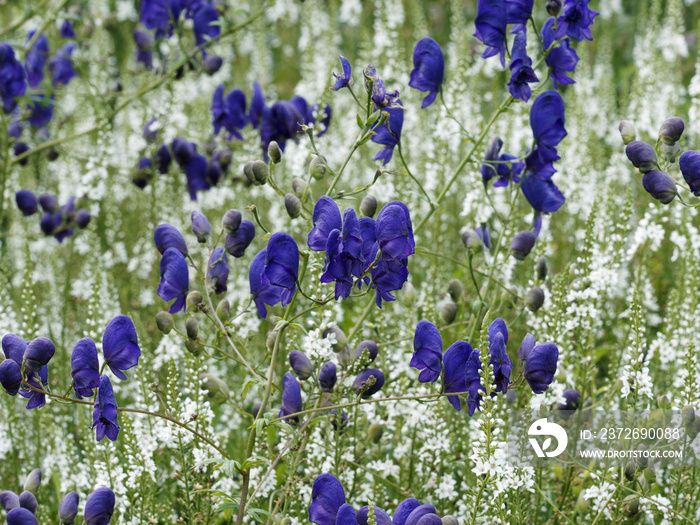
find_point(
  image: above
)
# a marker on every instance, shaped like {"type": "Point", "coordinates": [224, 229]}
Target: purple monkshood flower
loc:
{"type": "Point", "coordinates": [217, 270]}
{"type": "Point", "coordinates": [389, 135]}
{"type": "Point", "coordinates": [161, 15]}
{"type": "Point", "coordinates": [428, 69]}
{"type": "Point", "coordinates": [575, 20]}
{"type": "Point", "coordinates": [195, 172]}
{"type": "Point", "coordinates": [540, 366]}
{"type": "Point", "coordinates": [345, 79]}
{"type": "Point", "coordinates": [505, 172]}
{"type": "Point", "coordinates": [300, 364]}
{"type": "Point", "coordinates": [689, 163]}
{"type": "Point", "coordinates": [380, 517]}
{"type": "Point", "coordinates": [61, 65]}
{"type": "Point", "coordinates": [427, 352]}
{"type": "Point", "coordinates": [547, 118]}
{"type": "Point", "coordinates": [425, 514]}
{"type": "Point", "coordinates": [561, 59]}
{"type": "Point", "coordinates": [68, 509]}
{"type": "Point", "coordinates": [364, 376]}
{"type": "Point", "coordinates": [100, 505]}
{"type": "Point", "coordinates": [174, 279]}
{"type": "Point", "coordinates": [542, 194]}
{"type": "Point", "coordinates": [282, 264]}
{"type": "Point", "coordinates": [483, 234]}
{"type": "Point", "coordinates": [519, 11]}
{"type": "Point", "coordinates": [572, 399]}
{"type": "Point", "coordinates": [237, 242]}
{"type": "Point", "coordinates": [13, 347]}
{"type": "Point", "coordinates": [104, 417]}
{"type": "Point", "coordinates": [162, 159]}
{"type": "Point", "coordinates": [204, 17]}
{"type": "Point", "coordinates": [326, 218]}
{"type": "Point", "coordinates": [257, 106]}
{"type": "Point", "coordinates": [120, 345]}
{"type": "Point", "coordinates": [455, 362]}
{"type": "Point", "coordinates": [660, 186]}
{"type": "Point", "coordinates": [13, 77]}
{"type": "Point", "coordinates": [10, 376]}
{"type": "Point", "coordinates": [66, 30]}
{"type": "Point", "coordinates": [26, 202]}
{"type": "Point", "coordinates": [150, 130]}
{"type": "Point", "coordinates": [382, 98]}
{"type": "Point", "coordinates": [85, 368]}
{"type": "Point", "coordinates": [229, 112]}
{"type": "Point", "coordinates": [395, 231]}
{"type": "Point", "coordinates": [327, 377]}
{"type": "Point", "coordinates": [502, 364]}
{"type": "Point", "coordinates": [327, 497]}
{"type": "Point", "coordinates": [263, 292]}
{"type": "Point", "coordinates": [40, 110]}
{"type": "Point", "coordinates": [21, 516]}
{"type": "Point", "coordinates": [37, 380]}
{"type": "Point", "coordinates": [166, 236]}
{"type": "Point", "coordinates": [291, 398]}
{"type": "Point", "coordinates": [491, 23]}
{"type": "Point", "coordinates": [279, 122]}
{"type": "Point", "coordinates": [38, 353]}
{"type": "Point", "coordinates": [521, 72]}
{"type": "Point", "coordinates": [492, 152]}
{"type": "Point", "coordinates": [201, 226]}
{"type": "Point", "coordinates": [36, 59]}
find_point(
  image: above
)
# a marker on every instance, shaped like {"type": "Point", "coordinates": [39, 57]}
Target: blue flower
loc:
{"type": "Point", "coordinates": [505, 172]}
{"type": "Point", "coordinates": [521, 72]}
{"type": "Point", "coordinates": [204, 17]}
{"type": "Point", "coordinates": [21, 516]}
{"type": "Point", "coordinates": [345, 79]}
{"type": "Point", "coordinates": [382, 98]}
{"type": "Point", "coordinates": [660, 186]}
{"type": "Point", "coordinates": [502, 364]}
{"type": "Point", "coordinates": [201, 226]}
{"type": "Point", "coordinates": [40, 110]}
{"type": "Point", "coordinates": [85, 368]}
{"type": "Point", "coordinates": [229, 112]}
{"type": "Point", "coordinates": [257, 106]}
{"type": "Point", "coordinates": [522, 243]}
{"type": "Point", "coordinates": [492, 152]}
{"type": "Point", "coordinates": [540, 366]}
{"type": "Point", "coordinates": [326, 218]}
{"type": "Point", "coordinates": [395, 231]}
{"type": "Point", "coordinates": [61, 65]}
{"type": "Point", "coordinates": [380, 516]}
{"type": "Point", "coordinates": [404, 509]}
{"type": "Point", "coordinates": [68, 509]}
{"type": "Point", "coordinates": [389, 135]}
{"type": "Point", "coordinates": [576, 20]}
{"type": "Point", "coordinates": [300, 364]}
{"type": "Point", "coordinates": [26, 202]}
{"type": "Point", "coordinates": [166, 236]}
{"type": "Point", "coordinates": [99, 507]}
{"type": "Point", "coordinates": [38, 353]}
{"type": "Point", "coordinates": [120, 345]}
{"type": "Point", "coordinates": [427, 352]}
{"type": "Point", "coordinates": [291, 398]}
{"type": "Point", "coordinates": [346, 512]}
{"type": "Point", "coordinates": [10, 376]}
{"type": "Point", "coordinates": [428, 69]}
{"type": "Point", "coordinates": [162, 159]}
{"type": "Point", "coordinates": [547, 119]}
{"type": "Point", "coordinates": [263, 292]}
{"type": "Point", "coordinates": [237, 242]}
{"type": "Point", "coordinates": [328, 376]}
{"type": "Point", "coordinates": [66, 30]}
{"type": "Point", "coordinates": [455, 363]}
{"type": "Point", "coordinates": [104, 417]}
{"type": "Point", "coordinates": [360, 385]}
{"type": "Point", "coordinates": [144, 48]}
{"type": "Point", "coordinates": [519, 11]}
{"type": "Point", "coordinates": [217, 270]}
{"type": "Point", "coordinates": [195, 172]}
{"type": "Point", "coordinates": [422, 514]}
{"type": "Point", "coordinates": [561, 59]}
{"type": "Point", "coordinates": [13, 77]}
{"type": "Point", "coordinates": [491, 23]}
{"type": "Point", "coordinates": [36, 59]}
{"type": "Point", "coordinates": [174, 279]}
{"type": "Point", "coordinates": [161, 15]}
{"type": "Point", "coordinates": [572, 399]}
{"type": "Point", "coordinates": [282, 264]}
{"type": "Point", "coordinates": [327, 497]}
{"type": "Point", "coordinates": [36, 380]}
{"type": "Point", "coordinates": [641, 155]}
{"type": "Point", "coordinates": [689, 162]}
{"type": "Point", "coordinates": [542, 194]}
{"type": "Point", "coordinates": [280, 122]}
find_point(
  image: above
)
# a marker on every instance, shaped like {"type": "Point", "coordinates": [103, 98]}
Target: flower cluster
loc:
{"type": "Point", "coordinates": [59, 221]}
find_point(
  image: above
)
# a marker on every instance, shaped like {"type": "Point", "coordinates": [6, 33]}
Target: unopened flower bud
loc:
{"type": "Point", "coordinates": [472, 241]}
{"type": "Point", "coordinates": [641, 155]}
{"type": "Point", "coordinates": [9, 500]}
{"type": "Point", "coordinates": [192, 328]}
{"type": "Point", "coordinates": [274, 152]}
{"type": "Point", "coordinates": [270, 341]}
{"type": "Point", "coordinates": [223, 310]}
{"type": "Point", "coordinates": [671, 152]}
{"type": "Point", "coordinates": [631, 505]}
{"type": "Point", "coordinates": [341, 341]}
{"type": "Point", "coordinates": [671, 130]}
{"type": "Point", "coordinates": [82, 218]}
{"type": "Point", "coordinates": [212, 64]}
{"type": "Point", "coordinates": [193, 347]}
{"type": "Point", "coordinates": [455, 289]}
{"type": "Point", "coordinates": [688, 414]}
{"type": "Point", "coordinates": [300, 364]}
{"type": "Point", "coordinates": [33, 481]}
{"type": "Point", "coordinates": [200, 226]}
{"type": "Point", "coordinates": [317, 167]}
{"type": "Point", "coordinates": [627, 131]}
{"type": "Point", "coordinates": [164, 322]}
{"type": "Point", "coordinates": [215, 388]}
{"type": "Point", "coordinates": [343, 357]}
{"type": "Point", "coordinates": [368, 382]}
{"type": "Point", "coordinates": [368, 206]}
{"type": "Point", "coordinates": [370, 347]}
{"type": "Point", "coordinates": [328, 376]}
{"type": "Point", "coordinates": [664, 402]}
{"type": "Point", "coordinates": [375, 431]}
{"type": "Point", "coordinates": [534, 299]}
{"type": "Point", "coordinates": [660, 186]}
{"type": "Point", "coordinates": [293, 205]}
{"type": "Point", "coordinates": [522, 244]}
{"type": "Point", "coordinates": [68, 509]}
{"type": "Point", "coordinates": [194, 299]}
{"type": "Point", "coordinates": [28, 501]}
{"type": "Point", "coordinates": [260, 172]}
{"type": "Point", "coordinates": [642, 459]}
{"type": "Point", "coordinates": [553, 7]}
{"type": "Point", "coordinates": [541, 269]}
{"type": "Point", "coordinates": [630, 470]}
{"type": "Point", "coordinates": [231, 221]}
{"type": "Point", "coordinates": [248, 171]}
{"type": "Point", "coordinates": [448, 312]}
{"type": "Point", "coordinates": [299, 187]}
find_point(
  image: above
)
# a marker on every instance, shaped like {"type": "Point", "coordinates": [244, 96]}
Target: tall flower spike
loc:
{"type": "Point", "coordinates": [427, 355]}
{"type": "Point", "coordinates": [174, 279]}
{"type": "Point", "coordinates": [428, 69]}
{"type": "Point", "coordinates": [85, 368]}
{"type": "Point", "coordinates": [104, 417]}
{"type": "Point", "coordinates": [120, 345]}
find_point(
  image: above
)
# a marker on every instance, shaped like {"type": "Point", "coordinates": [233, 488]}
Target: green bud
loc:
{"type": "Point", "coordinates": [192, 328]}
{"type": "Point", "coordinates": [317, 167]}
{"type": "Point", "coordinates": [671, 152]}
{"type": "Point", "coordinates": [642, 460]}
{"type": "Point", "coordinates": [260, 172]}
{"type": "Point", "coordinates": [293, 205]}
{"type": "Point", "coordinates": [476, 307]}
{"type": "Point", "coordinates": [627, 131]}
{"type": "Point", "coordinates": [193, 347]}
{"type": "Point", "coordinates": [663, 402]}
{"type": "Point", "coordinates": [341, 340]}
{"type": "Point", "coordinates": [471, 241]}
{"type": "Point", "coordinates": [194, 299]}
{"type": "Point", "coordinates": [33, 481]}
{"type": "Point", "coordinates": [223, 310]}
{"type": "Point", "coordinates": [455, 289]}
{"type": "Point", "coordinates": [271, 338]}
{"type": "Point", "coordinates": [448, 312]}
{"type": "Point", "coordinates": [541, 268]}
{"type": "Point", "coordinates": [688, 414]}
{"type": "Point", "coordinates": [215, 388]}
{"type": "Point", "coordinates": [164, 322]}
{"type": "Point", "coordinates": [631, 505]}
{"type": "Point", "coordinates": [582, 504]}
{"type": "Point", "coordinates": [299, 188]}
{"type": "Point", "coordinates": [368, 206]}
{"type": "Point", "coordinates": [630, 471]}
{"type": "Point", "coordinates": [248, 171]}
{"type": "Point", "coordinates": [274, 152]}
{"type": "Point", "coordinates": [409, 294]}
{"type": "Point", "coordinates": [534, 299]}
{"type": "Point", "coordinates": [376, 430]}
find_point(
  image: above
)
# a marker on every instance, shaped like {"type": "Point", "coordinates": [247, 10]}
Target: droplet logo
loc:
{"type": "Point", "coordinates": [543, 428]}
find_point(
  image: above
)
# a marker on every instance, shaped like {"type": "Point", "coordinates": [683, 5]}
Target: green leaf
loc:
{"type": "Point", "coordinates": [360, 123]}
{"type": "Point", "coordinates": [259, 515]}
{"type": "Point", "coordinates": [254, 461]}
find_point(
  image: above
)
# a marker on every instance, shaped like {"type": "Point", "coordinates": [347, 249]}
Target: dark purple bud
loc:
{"type": "Point", "coordinates": [327, 500]}
{"type": "Point", "coordinates": [300, 364]}
{"type": "Point", "coordinates": [231, 221]}
{"type": "Point", "coordinates": [368, 206]}
{"type": "Point", "coordinates": [291, 398]}
{"type": "Point", "coordinates": [671, 130]}
{"type": "Point", "coordinates": [21, 147]}
{"type": "Point", "coordinates": [38, 353]}
{"type": "Point", "coordinates": [82, 218]}
{"type": "Point", "coordinates": [534, 299]}
{"type": "Point", "coordinates": [641, 155]}
{"type": "Point", "coordinates": [292, 203]}
{"type": "Point", "coordinates": [237, 243]}
{"type": "Point", "coordinates": [166, 236]}
{"type": "Point", "coordinates": [66, 30]}
{"type": "Point", "coordinates": [33, 481]}
{"type": "Point", "coordinates": [553, 7]}
{"type": "Point", "coordinates": [429, 519]}
{"type": "Point", "coordinates": [48, 202]}
{"type": "Point", "coordinates": [660, 186]}
{"type": "Point", "coordinates": [68, 509]}
{"type": "Point", "coordinates": [143, 40]}
{"type": "Point", "coordinates": [162, 159]}
{"type": "Point", "coordinates": [339, 427]}
{"type": "Point", "coordinates": [212, 64]}
{"type": "Point", "coordinates": [28, 501]}
{"type": "Point", "coordinates": [9, 500]}
{"type": "Point", "coordinates": [370, 346]}
{"type": "Point", "coordinates": [572, 398]}
{"type": "Point", "coordinates": [200, 226]}
{"type": "Point", "coordinates": [690, 167]}
{"type": "Point", "coordinates": [10, 377]}
{"type": "Point", "coordinates": [522, 244]}
{"type": "Point", "coordinates": [26, 202]}
{"type": "Point", "coordinates": [368, 382]}
{"type": "Point", "coordinates": [99, 507]}
{"type": "Point", "coordinates": [328, 376]}
{"type": "Point", "coordinates": [150, 130]}
{"type": "Point", "coordinates": [21, 516]}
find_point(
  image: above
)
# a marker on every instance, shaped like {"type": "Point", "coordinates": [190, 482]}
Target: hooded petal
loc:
{"type": "Point", "coordinates": [120, 345]}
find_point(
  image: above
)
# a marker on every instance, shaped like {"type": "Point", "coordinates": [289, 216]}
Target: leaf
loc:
{"type": "Point", "coordinates": [360, 123]}
{"type": "Point", "coordinates": [254, 461]}
{"type": "Point", "coordinates": [259, 515]}
{"type": "Point", "coordinates": [246, 387]}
